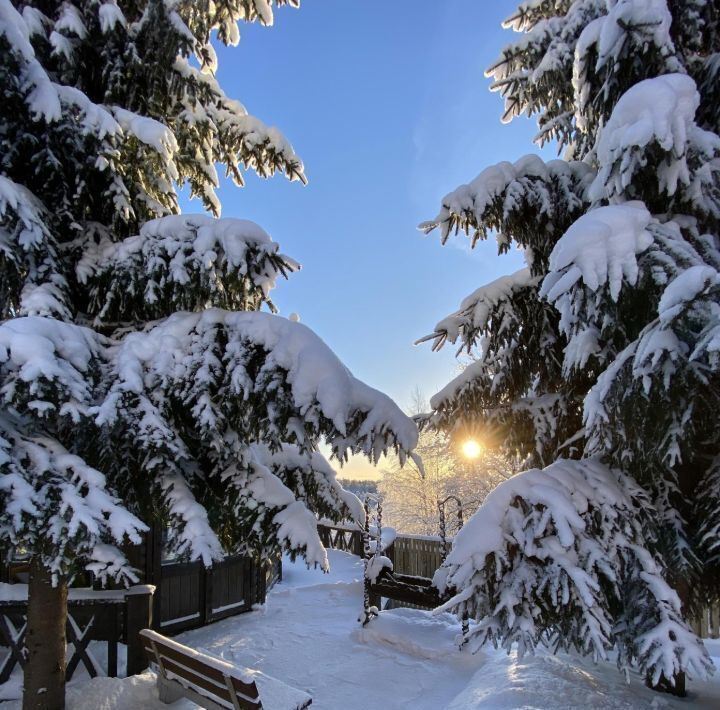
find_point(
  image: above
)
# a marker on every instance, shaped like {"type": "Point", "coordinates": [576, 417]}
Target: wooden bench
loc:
{"type": "Point", "coordinates": [213, 683]}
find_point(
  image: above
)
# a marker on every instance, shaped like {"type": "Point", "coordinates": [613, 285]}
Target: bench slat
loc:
{"type": "Point", "coordinates": [249, 690]}
{"type": "Point", "coordinates": [185, 672]}
{"type": "Point", "coordinates": [176, 671]}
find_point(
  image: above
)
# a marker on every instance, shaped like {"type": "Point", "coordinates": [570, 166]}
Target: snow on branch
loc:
{"type": "Point", "coordinates": [475, 310]}
{"type": "Point", "coordinates": [502, 197]}
{"type": "Point", "coordinates": [183, 262]}
{"type": "Point", "coordinates": [192, 396]}
{"type": "Point", "coordinates": [66, 505]}
{"type": "Point", "coordinates": [42, 98]}
{"type": "Point", "coordinates": [316, 480]}
{"type": "Point", "coordinates": [46, 366]}
{"type": "Point", "coordinates": [233, 136]}
{"type": "Point", "coordinates": [658, 114]}
{"type": "Point", "coordinates": [281, 496]}
{"type": "Point", "coordinates": [279, 366]}
{"type": "Point", "coordinates": [226, 16]}
{"type": "Point", "coordinates": [266, 500]}
{"type": "Point", "coordinates": [600, 249]}
{"type": "Point", "coordinates": [553, 554]}
{"type": "Point", "coordinates": [51, 499]}
{"type": "Point", "coordinates": [514, 384]}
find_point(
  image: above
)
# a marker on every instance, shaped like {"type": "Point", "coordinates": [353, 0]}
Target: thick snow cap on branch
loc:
{"type": "Point", "coordinates": [186, 261]}
{"type": "Point", "coordinates": [317, 378]}
{"type": "Point", "coordinates": [601, 249]}
{"type": "Point", "coordinates": [606, 38]}
{"type": "Point", "coordinates": [570, 539]}
{"type": "Point", "coordinates": [47, 356]}
{"type": "Point", "coordinates": [564, 488]}
{"type": "Point", "coordinates": [658, 111]}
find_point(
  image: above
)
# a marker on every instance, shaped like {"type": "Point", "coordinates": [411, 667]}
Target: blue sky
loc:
{"type": "Point", "coordinates": [388, 106]}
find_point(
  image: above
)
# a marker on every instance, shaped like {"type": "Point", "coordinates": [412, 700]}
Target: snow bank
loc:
{"type": "Point", "coordinates": [546, 682]}
{"type": "Point", "coordinates": [418, 633]}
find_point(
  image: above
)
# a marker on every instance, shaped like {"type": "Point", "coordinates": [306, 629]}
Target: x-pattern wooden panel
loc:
{"type": "Point", "coordinates": [15, 640]}
{"type": "Point", "coordinates": [79, 638]}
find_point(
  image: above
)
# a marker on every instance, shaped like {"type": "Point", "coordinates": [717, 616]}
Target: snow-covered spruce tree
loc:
{"type": "Point", "coordinates": [139, 381]}
{"type": "Point", "coordinates": [599, 361]}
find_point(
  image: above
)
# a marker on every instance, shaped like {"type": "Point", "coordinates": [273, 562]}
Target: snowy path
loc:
{"type": "Point", "coordinates": [308, 636]}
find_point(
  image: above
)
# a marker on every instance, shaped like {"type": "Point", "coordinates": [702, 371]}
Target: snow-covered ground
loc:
{"type": "Point", "coordinates": [308, 636]}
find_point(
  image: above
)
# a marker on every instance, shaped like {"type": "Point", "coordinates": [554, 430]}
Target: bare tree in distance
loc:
{"type": "Point", "coordinates": [411, 495]}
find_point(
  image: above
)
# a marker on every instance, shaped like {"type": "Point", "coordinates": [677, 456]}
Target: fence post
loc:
{"type": "Point", "coordinates": [358, 543]}
{"type": "Point", "coordinates": [206, 593]}
{"type": "Point", "coordinates": [260, 577]}
{"type": "Point", "coordinates": [138, 615]}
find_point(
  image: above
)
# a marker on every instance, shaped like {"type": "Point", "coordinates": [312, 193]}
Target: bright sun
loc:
{"type": "Point", "coordinates": [471, 449]}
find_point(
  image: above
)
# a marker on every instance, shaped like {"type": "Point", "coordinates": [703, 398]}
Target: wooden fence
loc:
{"type": "Point", "coordinates": [111, 617]}
{"type": "Point", "coordinates": [417, 555]}
{"type": "Point", "coordinates": [187, 595]}
{"type": "Point", "coordinates": [421, 555]}
{"type": "Point", "coordinates": [192, 595]}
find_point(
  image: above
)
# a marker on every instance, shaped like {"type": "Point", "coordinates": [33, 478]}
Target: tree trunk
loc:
{"type": "Point", "coordinates": [677, 687]}
{"type": "Point", "coordinates": [44, 687]}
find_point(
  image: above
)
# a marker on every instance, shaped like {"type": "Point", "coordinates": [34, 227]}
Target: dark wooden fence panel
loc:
{"type": "Point", "coordinates": [182, 597]}
{"type": "Point", "coordinates": [229, 588]}
{"type": "Point", "coordinates": [192, 595]}
{"type": "Point", "coordinates": [418, 556]}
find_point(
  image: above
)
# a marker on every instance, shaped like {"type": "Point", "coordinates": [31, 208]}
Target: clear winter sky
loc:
{"type": "Point", "coordinates": [388, 106]}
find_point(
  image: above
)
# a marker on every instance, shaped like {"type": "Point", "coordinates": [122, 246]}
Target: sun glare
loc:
{"type": "Point", "coordinates": [471, 449]}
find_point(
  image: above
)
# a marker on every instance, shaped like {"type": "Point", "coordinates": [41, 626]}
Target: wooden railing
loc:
{"type": "Point", "coordinates": [341, 537]}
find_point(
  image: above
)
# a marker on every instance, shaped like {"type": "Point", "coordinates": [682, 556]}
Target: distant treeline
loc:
{"type": "Point", "coordinates": [358, 486]}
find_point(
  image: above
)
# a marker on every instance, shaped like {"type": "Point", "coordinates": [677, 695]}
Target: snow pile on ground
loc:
{"type": "Point", "coordinates": [417, 633]}
{"type": "Point", "coordinates": [308, 636]}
